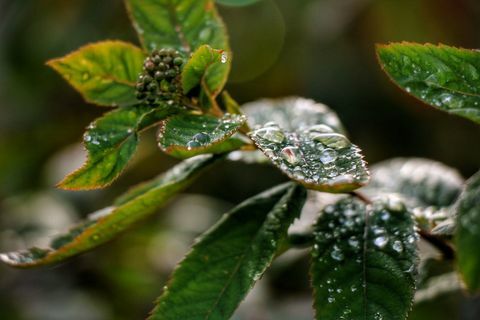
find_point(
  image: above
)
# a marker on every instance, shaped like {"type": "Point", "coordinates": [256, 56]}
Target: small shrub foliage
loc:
{"type": "Point", "coordinates": [364, 254]}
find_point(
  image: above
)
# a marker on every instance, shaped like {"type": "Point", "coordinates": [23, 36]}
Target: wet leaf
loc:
{"type": "Point", "coordinates": [364, 261]}
{"type": "Point", "coordinates": [316, 157]}
{"type": "Point", "coordinates": [467, 235]}
{"type": "Point", "coordinates": [105, 73]}
{"type": "Point", "coordinates": [208, 70]}
{"type": "Point", "coordinates": [111, 142]}
{"type": "Point", "coordinates": [106, 224]}
{"type": "Point", "coordinates": [445, 77]}
{"type": "Point", "coordinates": [291, 114]}
{"type": "Point", "coordinates": [228, 259]}
{"type": "Point", "coordinates": [187, 135]}
{"type": "Point", "coordinates": [181, 24]}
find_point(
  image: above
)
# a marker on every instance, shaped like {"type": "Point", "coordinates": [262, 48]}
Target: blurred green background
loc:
{"type": "Point", "coordinates": [321, 49]}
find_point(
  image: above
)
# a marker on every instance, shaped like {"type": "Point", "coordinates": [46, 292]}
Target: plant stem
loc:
{"type": "Point", "coordinates": [441, 245]}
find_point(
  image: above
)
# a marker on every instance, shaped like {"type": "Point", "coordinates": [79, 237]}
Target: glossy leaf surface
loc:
{"type": "Point", "coordinates": [106, 224]}
{"type": "Point", "coordinates": [445, 77]}
{"type": "Point", "coordinates": [181, 24]}
{"type": "Point", "coordinates": [227, 260]}
{"type": "Point", "coordinates": [105, 73]}
{"type": "Point", "coordinates": [364, 261]}
{"type": "Point", "coordinates": [467, 235]}
{"type": "Point", "coordinates": [111, 142]}
{"type": "Point", "coordinates": [187, 135]}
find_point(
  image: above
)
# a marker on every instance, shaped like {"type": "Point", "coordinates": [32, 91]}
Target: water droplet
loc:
{"type": "Point", "coordinates": [337, 254]}
{"type": "Point", "coordinates": [202, 138]}
{"type": "Point", "coordinates": [224, 57]}
{"type": "Point", "coordinates": [328, 156]}
{"type": "Point", "coordinates": [192, 144]}
{"type": "Point", "coordinates": [291, 155]}
{"type": "Point", "coordinates": [273, 134]}
{"type": "Point", "coordinates": [331, 299]}
{"type": "Point", "coordinates": [380, 241]}
{"type": "Point", "coordinates": [320, 128]}
{"type": "Point", "coordinates": [332, 140]}
{"type": "Point", "coordinates": [397, 246]}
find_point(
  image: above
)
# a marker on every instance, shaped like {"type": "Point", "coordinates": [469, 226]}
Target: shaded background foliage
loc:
{"type": "Point", "coordinates": [321, 49]}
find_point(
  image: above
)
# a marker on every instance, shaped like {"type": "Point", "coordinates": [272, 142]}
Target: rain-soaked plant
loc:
{"type": "Point", "coordinates": [363, 244]}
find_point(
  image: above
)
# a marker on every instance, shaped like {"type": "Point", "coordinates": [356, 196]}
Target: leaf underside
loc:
{"type": "Point", "coordinates": [227, 260]}
{"type": "Point", "coordinates": [106, 224]}
{"type": "Point", "coordinates": [187, 135]}
{"type": "Point", "coordinates": [105, 73]}
{"type": "Point", "coordinates": [364, 261]}
{"type": "Point", "coordinates": [111, 142]}
{"type": "Point", "coordinates": [467, 235]}
{"type": "Point", "coordinates": [445, 77]}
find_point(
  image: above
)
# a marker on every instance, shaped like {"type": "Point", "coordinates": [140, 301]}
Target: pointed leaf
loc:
{"type": "Point", "coordinates": [181, 24]}
{"type": "Point", "coordinates": [105, 73]}
{"type": "Point", "coordinates": [322, 161]}
{"type": "Point", "coordinates": [364, 261]}
{"type": "Point", "coordinates": [111, 142]}
{"type": "Point", "coordinates": [228, 259]}
{"type": "Point", "coordinates": [106, 224]}
{"type": "Point", "coordinates": [445, 77]}
{"type": "Point", "coordinates": [423, 182]}
{"type": "Point", "coordinates": [187, 135]}
{"type": "Point", "coordinates": [291, 114]}
{"type": "Point", "coordinates": [207, 69]}
{"type": "Point", "coordinates": [467, 235]}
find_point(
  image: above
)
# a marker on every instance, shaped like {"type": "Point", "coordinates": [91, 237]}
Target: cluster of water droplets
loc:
{"type": "Point", "coordinates": [216, 131]}
{"type": "Point", "coordinates": [350, 233]}
{"type": "Point", "coordinates": [439, 82]}
{"type": "Point", "coordinates": [315, 155]}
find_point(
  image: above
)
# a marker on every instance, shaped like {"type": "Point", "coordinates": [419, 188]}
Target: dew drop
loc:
{"type": "Point", "coordinates": [273, 134]}
{"type": "Point", "coordinates": [332, 140]}
{"type": "Point", "coordinates": [380, 241]}
{"type": "Point", "coordinates": [192, 144]}
{"type": "Point", "coordinates": [202, 138]}
{"type": "Point", "coordinates": [397, 246]}
{"type": "Point", "coordinates": [328, 156]}
{"type": "Point", "coordinates": [291, 155]}
{"type": "Point", "coordinates": [224, 57]}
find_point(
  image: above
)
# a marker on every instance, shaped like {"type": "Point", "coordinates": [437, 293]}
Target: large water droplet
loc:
{"type": "Point", "coordinates": [380, 241]}
{"type": "Point", "coordinates": [273, 134]}
{"type": "Point", "coordinates": [201, 138]}
{"type": "Point", "coordinates": [332, 140]}
{"type": "Point", "coordinates": [291, 155]}
{"type": "Point", "coordinates": [193, 144]}
{"type": "Point", "coordinates": [397, 246]}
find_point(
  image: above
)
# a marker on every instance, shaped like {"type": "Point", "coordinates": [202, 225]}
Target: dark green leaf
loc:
{"type": "Point", "coordinates": [423, 182]}
{"type": "Point", "coordinates": [187, 135]}
{"type": "Point", "coordinates": [467, 235]}
{"type": "Point", "coordinates": [364, 261]}
{"type": "Point", "coordinates": [237, 3]}
{"type": "Point", "coordinates": [207, 69]}
{"type": "Point", "coordinates": [315, 157]}
{"type": "Point", "coordinates": [445, 77]}
{"type": "Point", "coordinates": [181, 24]}
{"type": "Point", "coordinates": [111, 142]}
{"type": "Point", "coordinates": [228, 259]}
{"type": "Point", "coordinates": [105, 73]}
{"type": "Point", "coordinates": [106, 224]}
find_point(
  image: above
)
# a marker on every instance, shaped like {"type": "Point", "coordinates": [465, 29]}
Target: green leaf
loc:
{"type": "Point", "coordinates": [111, 142]}
{"type": "Point", "coordinates": [291, 114]}
{"type": "Point", "coordinates": [181, 24]}
{"type": "Point", "coordinates": [445, 77]}
{"type": "Point", "coordinates": [467, 235]}
{"type": "Point", "coordinates": [105, 73]}
{"type": "Point", "coordinates": [364, 261]}
{"type": "Point", "coordinates": [207, 69]}
{"type": "Point", "coordinates": [422, 182]}
{"type": "Point", "coordinates": [106, 224]}
{"type": "Point", "coordinates": [187, 135]}
{"type": "Point", "coordinates": [237, 3]}
{"type": "Point", "coordinates": [227, 260]}
{"type": "Point", "coordinates": [305, 140]}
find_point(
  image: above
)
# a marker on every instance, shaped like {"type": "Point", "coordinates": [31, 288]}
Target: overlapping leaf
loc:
{"type": "Point", "coordinates": [105, 224]}
{"type": "Point", "coordinates": [364, 261]}
{"type": "Point", "coordinates": [187, 135]}
{"type": "Point", "coordinates": [181, 24]}
{"type": "Point", "coordinates": [105, 73]}
{"type": "Point", "coordinates": [445, 77]}
{"type": "Point", "coordinates": [302, 139]}
{"type": "Point", "coordinates": [228, 259]}
{"type": "Point", "coordinates": [111, 142]}
{"type": "Point", "coordinates": [207, 69]}
{"type": "Point", "coordinates": [467, 235]}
